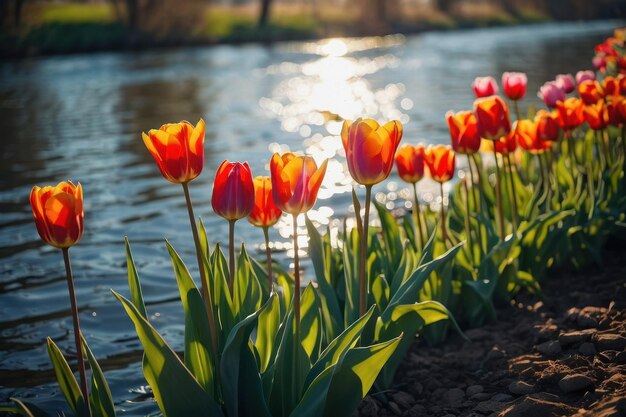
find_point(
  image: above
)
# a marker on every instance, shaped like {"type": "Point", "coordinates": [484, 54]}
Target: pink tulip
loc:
{"type": "Point", "coordinates": [485, 86]}
{"type": "Point", "coordinates": [582, 76]}
{"type": "Point", "coordinates": [550, 93]}
{"type": "Point", "coordinates": [514, 85]}
{"type": "Point", "coordinates": [565, 82]}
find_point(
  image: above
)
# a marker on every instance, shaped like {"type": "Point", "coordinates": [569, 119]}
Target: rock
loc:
{"type": "Point", "coordinates": [587, 349]}
{"type": "Point", "coordinates": [403, 399]}
{"type": "Point", "coordinates": [551, 348]}
{"type": "Point", "coordinates": [502, 397]}
{"type": "Point", "coordinates": [620, 358]}
{"type": "Point", "coordinates": [521, 388]}
{"type": "Point", "coordinates": [571, 338]}
{"type": "Point", "coordinates": [416, 411]}
{"type": "Point", "coordinates": [548, 331]}
{"type": "Point", "coordinates": [478, 334]}
{"type": "Point", "coordinates": [489, 406]}
{"type": "Point", "coordinates": [586, 321]}
{"type": "Point", "coordinates": [530, 406]}
{"type": "Point", "coordinates": [474, 389]}
{"type": "Point", "coordinates": [449, 415]}
{"type": "Point", "coordinates": [494, 354]}
{"type": "Point", "coordinates": [395, 408]}
{"type": "Point", "coordinates": [369, 408]}
{"type": "Point", "coordinates": [435, 409]}
{"type": "Point", "coordinates": [481, 396]}
{"type": "Point", "coordinates": [610, 341]}
{"type": "Point", "coordinates": [575, 382]}
{"type": "Point", "coordinates": [453, 396]}
{"type": "Point", "coordinates": [572, 314]}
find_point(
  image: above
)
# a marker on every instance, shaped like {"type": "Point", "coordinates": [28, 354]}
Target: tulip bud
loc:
{"type": "Point", "coordinates": [440, 160]}
{"type": "Point", "coordinates": [551, 93]}
{"type": "Point", "coordinates": [507, 144]}
{"type": "Point", "coordinates": [295, 181]}
{"type": "Point", "coordinates": [492, 115]}
{"type": "Point", "coordinates": [548, 129]}
{"type": "Point", "coordinates": [582, 76]}
{"type": "Point", "coordinates": [233, 190]}
{"type": "Point", "coordinates": [616, 108]}
{"type": "Point", "coordinates": [565, 82]}
{"type": "Point", "coordinates": [463, 128]}
{"type": "Point", "coordinates": [610, 86]}
{"type": "Point", "coordinates": [590, 91]}
{"type": "Point", "coordinates": [58, 213]}
{"type": "Point", "coordinates": [570, 113]}
{"type": "Point", "coordinates": [527, 137]}
{"type": "Point", "coordinates": [265, 213]}
{"type": "Point", "coordinates": [514, 85]}
{"type": "Point", "coordinates": [410, 163]}
{"type": "Point", "coordinates": [596, 115]}
{"type": "Point", "coordinates": [485, 87]}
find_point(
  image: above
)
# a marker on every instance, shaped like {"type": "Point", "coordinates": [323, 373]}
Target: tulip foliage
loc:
{"type": "Point", "coordinates": [545, 191]}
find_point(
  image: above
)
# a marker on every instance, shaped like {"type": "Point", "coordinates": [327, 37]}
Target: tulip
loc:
{"type": "Point", "coordinates": [370, 149]}
{"type": "Point", "coordinates": [565, 82]}
{"type": "Point", "coordinates": [178, 149]}
{"type": "Point", "coordinates": [440, 160]}
{"type": "Point", "coordinates": [265, 214]}
{"type": "Point", "coordinates": [295, 183]}
{"type": "Point", "coordinates": [596, 115]}
{"type": "Point", "coordinates": [599, 62]}
{"type": "Point", "coordinates": [514, 85]}
{"type": "Point", "coordinates": [527, 137]}
{"type": "Point", "coordinates": [610, 86]}
{"type": "Point", "coordinates": [232, 199]}
{"type": "Point", "coordinates": [616, 108]}
{"type": "Point", "coordinates": [492, 115]}
{"type": "Point", "coordinates": [485, 87]}
{"type": "Point", "coordinates": [582, 76]}
{"type": "Point", "coordinates": [463, 128]}
{"type": "Point", "coordinates": [58, 213]}
{"type": "Point", "coordinates": [551, 93]}
{"type": "Point", "coordinates": [410, 165]}
{"type": "Point", "coordinates": [548, 129]}
{"type": "Point", "coordinates": [570, 113]}
{"type": "Point", "coordinates": [590, 91]}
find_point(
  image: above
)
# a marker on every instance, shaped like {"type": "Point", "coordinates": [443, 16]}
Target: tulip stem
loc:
{"type": "Point", "coordinates": [516, 107]}
{"type": "Point", "coordinates": [296, 285]}
{"type": "Point", "coordinates": [467, 221]}
{"type": "Point", "coordinates": [508, 164]}
{"type": "Point", "coordinates": [77, 341]}
{"type": "Point", "coordinates": [471, 171]}
{"type": "Point", "coordinates": [363, 279]}
{"type": "Point", "coordinates": [499, 194]}
{"type": "Point", "coordinates": [544, 184]}
{"type": "Point", "coordinates": [476, 190]}
{"type": "Point", "coordinates": [203, 281]}
{"type": "Point", "coordinates": [231, 255]}
{"type": "Point", "coordinates": [268, 254]}
{"type": "Point", "coordinates": [419, 237]}
{"type": "Point", "coordinates": [444, 232]}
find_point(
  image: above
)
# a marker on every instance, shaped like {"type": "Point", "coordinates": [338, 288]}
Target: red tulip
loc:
{"type": "Point", "coordinates": [590, 91]}
{"type": "Point", "coordinates": [548, 129]}
{"type": "Point", "coordinates": [265, 213]}
{"type": "Point", "coordinates": [551, 93]}
{"type": "Point", "coordinates": [463, 128]}
{"type": "Point", "coordinates": [370, 148]}
{"type": "Point", "coordinates": [492, 115]}
{"type": "Point", "coordinates": [178, 149]}
{"type": "Point", "coordinates": [582, 76]}
{"type": "Point", "coordinates": [596, 115]}
{"type": "Point", "coordinates": [570, 113]}
{"type": "Point", "coordinates": [233, 190]}
{"type": "Point", "coordinates": [485, 87]}
{"type": "Point", "coordinates": [295, 181]}
{"type": "Point", "coordinates": [611, 86]}
{"type": "Point", "coordinates": [440, 160]}
{"type": "Point", "coordinates": [514, 85]}
{"type": "Point", "coordinates": [616, 109]}
{"type": "Point", "coordinates": [506, 144]}
{"type": "Point", "coordinates": [58, 213]}
{"type": "Point", "coordinates": [410, 163]}
{"type": "Point", "coordinates": [565, 82]}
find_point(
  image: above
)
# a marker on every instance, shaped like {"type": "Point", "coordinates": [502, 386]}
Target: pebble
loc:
{"type": "Point", "coordinates": [575, 382]}
{"type": "Point", "coordinates": [403, 399]}
{"type": "Point", "coordinates": [587, 349]}
{"type": "Point", "coordinates": [502, 397]}
{"type": "Point", "coordinates": [368, 408]}
{"type": "Point", "coordinates": [586, 321]}
{"type": "Point", "coordinates": [610, 341]}
{"type": "Point", "coordinates": [571, 338]}
{"type": "Point", "coordinates": [416, 411]}
{"type": "Point", "coordinates": [478, 334]}
{"type": "Point", "coordinates": [474, 389]}
{"type": "Point", "coordinates": [548, 331]}
{"type": "Point", "coordinates": [481, 396]}
{"type": "Point", "coordinates": [620, 358]}
{"type": "Point", "coordinates": [550, 348]}
{"type": "Point", "coordinates": [521, 388]}
{"type": "Point", "coordinates": [489, 406]}
{"type": "Point", "coordinates": [395, 408]}
{"type": "Point", "coordinates": [494, 354]}
{"type": "Point", "coordinates": [454, 396]}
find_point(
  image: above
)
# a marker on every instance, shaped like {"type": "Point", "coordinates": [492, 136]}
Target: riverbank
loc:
{"type": "Point", "coordinates": [65, 28]}
{"type": "Point", "coordinates": [562, 354]}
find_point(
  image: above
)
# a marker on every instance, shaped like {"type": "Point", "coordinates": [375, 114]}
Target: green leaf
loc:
{"type": "Point", "coordinates": [67, 381]}
{"type": "Point", "coordinates": [222, 299]}
{"type": "Point", "coordinates": [25, 408]}
{"type": "Point", "coordinates": [380, 291]}
{"type": "Point", "coordinates": [391, 237]}
{"type": "Point", "coordinates": [100, 397]}
{"type": "Point", "coordinates": [267, 331]}
{"type": "Point", "coordinates": [310, 324]}
{"type": "Point", "coordinates": [198, 350]}
{"type": "Point", "coordinates": [175, 389]}
{"type": "Point", "coordinates": [351, 253]}
{"type": "Point", "coordinates": [133, 281]}
{"type": "Point", "coordinates": [247, 294]}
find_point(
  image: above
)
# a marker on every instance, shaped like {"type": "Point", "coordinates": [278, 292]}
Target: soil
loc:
{"type": "Point", "coordinates": [562, 354]}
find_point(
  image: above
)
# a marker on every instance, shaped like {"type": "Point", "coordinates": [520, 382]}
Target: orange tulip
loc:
{"type": "Point", "coordinates": [590, 91]}
{"type": "Point", "coordinates": [548, 129]}
{"type": "Point", "coordinates": [265, 213]}
{"type": "Point", "coordinates": [492, 115]}
{"type": "Point", "coordinates": [596, 115]}
{"type": "Point", "coordinates": [570, 113]}
{"type": "Point", "coordinates": [463, 129]}
{"type": "Point", "coordinates": [527, 137]}
{"type": "Point", "coordinates": [440, 160]}
{"type": "Point", "coordinates": [233, 190]}
{"type": "Point", "coordinates": [616, 109]}
{"type": "Point", "coordinates": [611, 86]}
{"type": "Point", "coordinates": [370, 148]}
{"type": "Point", "coordinates": [178, 149]}
{"type": "Point", "coordinates": [506, 144]}
{"type": "Point", "coordinates": [295, 181]}
{"type": "Point", "coordinates": [58, 213]}
{"type": "Point", "coordinates": [410, 163]}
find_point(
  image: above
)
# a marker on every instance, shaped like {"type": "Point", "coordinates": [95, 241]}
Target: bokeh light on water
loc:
{"type": "Point", "coordinates": [80, 117]}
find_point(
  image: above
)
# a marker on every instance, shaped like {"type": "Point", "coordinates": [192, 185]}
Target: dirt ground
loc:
{"type": "Point", "coordinates": [563, 354]}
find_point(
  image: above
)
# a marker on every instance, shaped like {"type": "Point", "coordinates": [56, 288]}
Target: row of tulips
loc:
{"type": "Point", "coordinates": [554, 191]}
